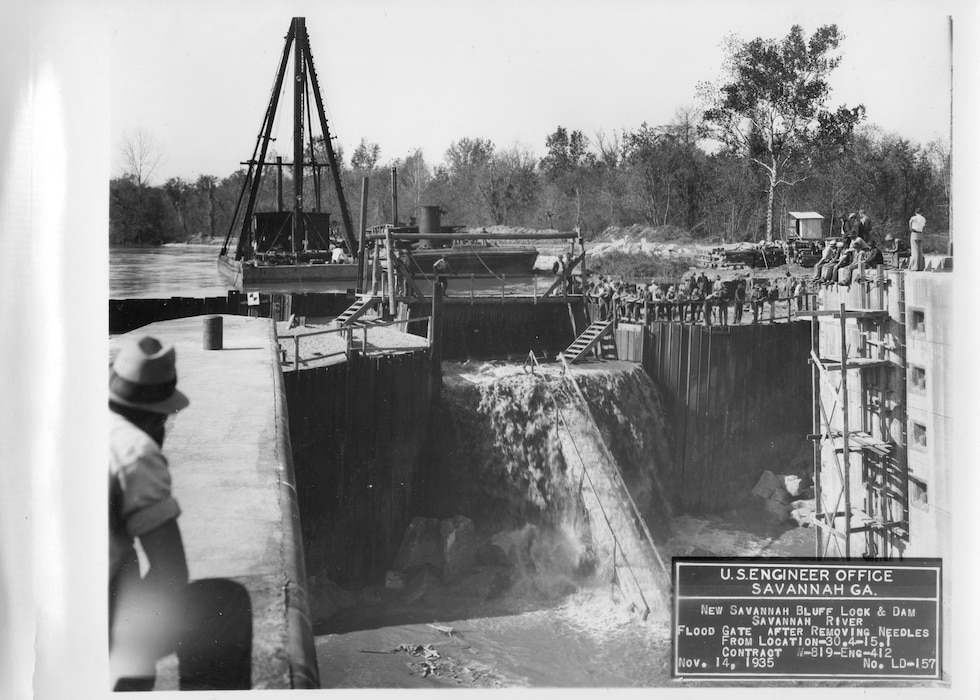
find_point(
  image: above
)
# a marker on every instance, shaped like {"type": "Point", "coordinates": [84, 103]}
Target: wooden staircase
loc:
{"type": "Point", "coordinates": [361, 305]}
{"type": "Point", "coordinates": [592, 337]}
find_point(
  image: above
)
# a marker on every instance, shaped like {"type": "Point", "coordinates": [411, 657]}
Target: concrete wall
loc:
{"type": "Point", "coordinates": [232, 474]}
{"type": "Point", "coordinates": [929, 321]}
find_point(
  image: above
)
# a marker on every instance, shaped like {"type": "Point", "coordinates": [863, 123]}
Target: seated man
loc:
{"type": "Point", "coordinates": [827, 257]}
{"type": "Point", "coordinates": [208, 623]}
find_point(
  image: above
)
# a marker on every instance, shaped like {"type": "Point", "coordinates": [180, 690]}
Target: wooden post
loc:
{"type": "Point", "coordinates": [503, 283]}
{"type": "Point", "coordinates": [707, 313]}
{"type": "Point", "coordinates": [880, 282]}
{"type": "Point", "coordinates": [390, 249]}
{"type": "Point", "coordinates": [435, 341]}
{"type": "Point", "coordinates": [844, 431]}
{"type": "Point", "coordinates": [362, 231]}
{"type": "Point", "coordinates": [280, 206]}
{"type": "Point", "coordinates": [581, 242]}
{"type": "Point", "coordinates": [817, 399]}
{"type": "Point", "coordinates": [375, 266]}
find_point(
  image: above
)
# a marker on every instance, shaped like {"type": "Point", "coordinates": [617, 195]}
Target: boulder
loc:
{"type": "Point", "coordinates": [491, 554]}
{"type": "Point", "coordinates": [459, 546]}
{"type": "Point", "coordinates": [422, 582]}
{"type": "Point", "coordinates": [767, 483]}
{"type": "Point", "coordinates": [395, 581]}
{"type": "Point", "coordinates": [803, 512]}
{"type": "Point", "coordinates": [776, 511]}
{"type": "Point", "coordinates": [793, 485]}
{"type": "Point", "coordinates": [327, 598]}
{"type": "Point", "coordinates": [485, 582]}
{"type": "Point", "coordinates": [421, 544]}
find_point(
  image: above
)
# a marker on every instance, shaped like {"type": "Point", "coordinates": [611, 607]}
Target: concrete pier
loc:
{"type": "Point", "coordinates": [231, 462]}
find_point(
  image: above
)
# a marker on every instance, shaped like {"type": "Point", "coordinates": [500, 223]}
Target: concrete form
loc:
{"type": "Point", "coordinates": [232, 469]}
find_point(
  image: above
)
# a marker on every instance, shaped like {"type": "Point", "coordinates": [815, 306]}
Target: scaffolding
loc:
{"type": "Point", "coordinates": [860, 467]}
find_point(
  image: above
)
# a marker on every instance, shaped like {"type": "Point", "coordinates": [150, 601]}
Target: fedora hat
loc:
{"type": "Point", "coordinates": [144, 376]}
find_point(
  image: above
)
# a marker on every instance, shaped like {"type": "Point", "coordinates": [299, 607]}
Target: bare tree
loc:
{"type": "Point", "coordinates": [416, 174]}
{"type": "Point", "coordinates": [140, 155]}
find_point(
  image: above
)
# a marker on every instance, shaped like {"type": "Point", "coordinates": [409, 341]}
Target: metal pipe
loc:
{"type": "Point", "coordinates": [362, 232]}
{"type": "Point", "coordinates": [414, 236]}
{"type": "Point", "coordinates": [390, 249]}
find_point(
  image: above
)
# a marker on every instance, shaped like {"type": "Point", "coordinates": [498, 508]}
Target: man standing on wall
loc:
{"type": "Point", "coordinates": [864, 226]}
{"type": "Point", "coordinates": [209, 622]}
{"type": "Point", "coordinates": [441, 269]}
{"type": "Point", "coordinates": [917, 225]}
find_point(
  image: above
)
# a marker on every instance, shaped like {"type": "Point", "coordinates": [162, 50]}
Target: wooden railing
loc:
{"type": "Point", "coordinates": [348, 333]}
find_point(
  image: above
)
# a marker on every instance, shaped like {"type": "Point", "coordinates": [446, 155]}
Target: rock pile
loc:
{"type": "Point", "coordinates": [785, 497]}
{"type": "Point", "coordinates": [437, 552]}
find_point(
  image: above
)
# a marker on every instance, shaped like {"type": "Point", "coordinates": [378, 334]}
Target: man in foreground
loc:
{"type": "Point", "coordinates": [208, 623]}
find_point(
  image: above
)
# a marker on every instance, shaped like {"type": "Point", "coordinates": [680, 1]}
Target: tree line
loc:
{"type": "Point", "coordinates": [764, 142]}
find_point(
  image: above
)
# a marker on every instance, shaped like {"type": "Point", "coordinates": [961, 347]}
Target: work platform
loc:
{"type": "Point", "coordinates": [231, 463]}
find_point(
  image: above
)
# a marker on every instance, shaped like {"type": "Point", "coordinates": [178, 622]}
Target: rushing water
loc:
{"type": "Point", "coordinates": [560, 624]}
{"type": "Point", "coordinates": [192, 271]}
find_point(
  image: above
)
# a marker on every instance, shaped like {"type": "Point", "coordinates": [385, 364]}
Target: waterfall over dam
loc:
{"type": "Point", "coordinates": [514, 447]}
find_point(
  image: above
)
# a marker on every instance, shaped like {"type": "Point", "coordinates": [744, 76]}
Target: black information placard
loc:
{"type": "Point", "coordinates": [810, 619]}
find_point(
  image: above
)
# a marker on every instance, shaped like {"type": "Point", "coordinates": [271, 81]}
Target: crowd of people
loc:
{"type": "Point", "coordinates": [693, 296]}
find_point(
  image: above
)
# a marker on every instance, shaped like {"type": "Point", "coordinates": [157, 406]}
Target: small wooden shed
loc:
{"type": "Point", "coordinates": [806, 224]}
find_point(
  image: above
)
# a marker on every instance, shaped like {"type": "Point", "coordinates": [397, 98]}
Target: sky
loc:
{"type": "Point", "coordinates": [196, 76]}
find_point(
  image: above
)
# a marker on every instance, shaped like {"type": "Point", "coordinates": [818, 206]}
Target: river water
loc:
{"type": "Point", "coordinates": [192, 271]}
{"type": "Point", "coordinates": [164, 272]}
